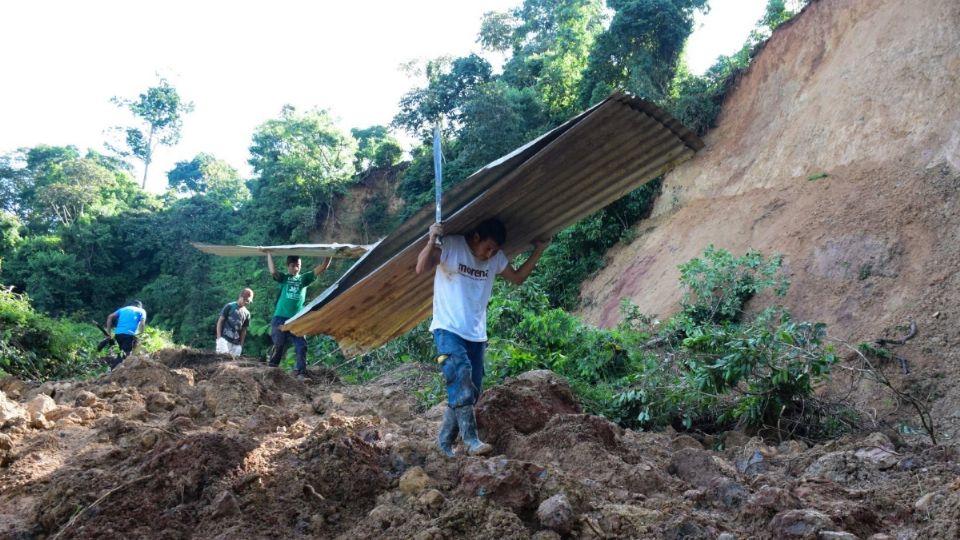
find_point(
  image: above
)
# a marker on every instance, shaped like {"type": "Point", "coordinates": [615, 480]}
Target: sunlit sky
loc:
{"type": "Point", "coordinates": [240, 61]}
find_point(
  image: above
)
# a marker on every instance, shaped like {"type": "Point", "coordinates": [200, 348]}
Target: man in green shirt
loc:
{"type": "Point", "coordinates": [293, 293]}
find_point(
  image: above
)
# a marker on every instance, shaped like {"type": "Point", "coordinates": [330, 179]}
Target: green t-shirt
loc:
{"type": "Point", "coordinates": [293, 293]}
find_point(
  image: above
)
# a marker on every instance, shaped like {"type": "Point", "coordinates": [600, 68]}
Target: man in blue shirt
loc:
{"type": "Point", "coordinates": [129, 321]}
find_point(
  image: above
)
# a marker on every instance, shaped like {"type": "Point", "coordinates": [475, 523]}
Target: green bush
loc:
{"type": "Point", "coordinates": [36, 347]}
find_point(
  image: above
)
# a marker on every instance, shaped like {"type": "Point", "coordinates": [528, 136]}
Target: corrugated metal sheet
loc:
{"type": "Point", "coordinates": [339, 251]}
{"type": "Point", "coordinates": [537, 190]}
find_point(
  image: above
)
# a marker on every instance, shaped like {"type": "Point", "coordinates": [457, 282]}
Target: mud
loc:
{"type": "Point", "coordinates": [239, 450]}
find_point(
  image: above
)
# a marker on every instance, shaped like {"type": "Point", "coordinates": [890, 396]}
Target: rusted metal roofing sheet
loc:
{"type": "Point", "coordinates": [339, 251]}
{"type": "Point", "coordinates": [546, 185]}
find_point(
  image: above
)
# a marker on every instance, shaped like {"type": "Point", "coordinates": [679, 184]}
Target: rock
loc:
{"type": "Point", "coordinates": [6, 443]}
{"type": "Point", "coordinates": [148, 440]}
{"type": "Point", "coordinates": [752, 464]}
{"type": "Point", "coordinates": [318, 405]}
{"type": "Point", "coordinates": [556, 514]}
{"type": "Point", "coordinates": [840, 467]}
{"type": "Point", "coordinates": [511, 483]}
{"type": "Point", "coordinates": [694, 466]}
{"type": "Point", "coordinates": [685, 441]}
{"type": "Point", "coordinates": [803, 523]}
{"type": "Point", "coordinates": [39, 405]}
{"type": "Point", "coordinates": [733, 439]}
{"type": "Point", "coordinates": [413, 481]}
{"type": "Point", "coordinates": [772, 499]}
{"type": "Point", "coordinates": [728, 493]}
{"type": "Point", "coordinates": [40, 422]}
{"type": "Point", "coordinates": [432, 499]}
{"type": "Point", "coordinates": [878, 449]}
{"type": "Point", "coordinates": [225, 504]}
{"type": "Point", "coordinates": [791, 448]}
{"type": "Point", "coordinates": [85, 399]}
{"type": "Point", "coordinates": [12, 387]}
{"type": "Point", "coordinates": [929, 500]}
{"type": "Point", "coordinates": [11, 411]}
{"type": "Point", "coordinates": [385, 515]}
{"type": "Point", "coordinates": [160, 402]}
{"type": "Point", "coordinates": [726, 536]}
{"type": "Point", "coordinates": [545, 535]}
{"type": "Point", "coordinates": [836, 535]}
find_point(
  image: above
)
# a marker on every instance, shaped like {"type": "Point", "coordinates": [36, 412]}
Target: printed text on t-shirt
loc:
{"type": "Point", "coordinates": [473, 272]}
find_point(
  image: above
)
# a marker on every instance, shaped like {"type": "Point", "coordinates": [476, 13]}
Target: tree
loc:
{"type": "Point", "coordinates": [51, 186]}
{"type": "Point", "coordinates": [551, 41]}
{"type": "Point", "coordinates": [449, 86]}
{"type": "Point", "coordinates": [640, 50]}
{"type": "Point", "coordinates": [161, 110]}
{"type": "Point", "coordinates": [376, 147]}
{"type": "Point", "coordinates": [207, 175]}
{"type": "Point", "coordinates": [302, 161]}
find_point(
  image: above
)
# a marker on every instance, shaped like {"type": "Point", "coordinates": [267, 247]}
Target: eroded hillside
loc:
{"type": "Point", "coordinates": [840, 149]}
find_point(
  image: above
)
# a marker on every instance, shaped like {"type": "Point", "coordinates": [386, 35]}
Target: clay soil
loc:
{"type": "Point", "coordinates": [186, 444]}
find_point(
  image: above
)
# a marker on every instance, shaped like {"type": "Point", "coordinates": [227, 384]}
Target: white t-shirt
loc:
{"type": "Point", "coordinates": [461, 289]}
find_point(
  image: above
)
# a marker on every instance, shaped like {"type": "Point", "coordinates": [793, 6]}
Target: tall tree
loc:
{"type": "Point", "coordinates": [449, 86]}
{"type": "Point", "coordinates": [209, 176]}
{"type": "Point", "coordinates": [161, 111]}
{"type": "Point", "coordinates": [640, 50]}
{"type": "Point", "coordinates": [550, 42]}
{"type": "Point", "coordinates": [376, 147]}
{"type": "Point", "coordinates": [303, 160]}
{"type": "Point", "coordinates": [50, 186]}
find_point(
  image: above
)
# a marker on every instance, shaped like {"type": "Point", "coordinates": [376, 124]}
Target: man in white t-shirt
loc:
{"type": "Point", "coordinates": [466, 267]}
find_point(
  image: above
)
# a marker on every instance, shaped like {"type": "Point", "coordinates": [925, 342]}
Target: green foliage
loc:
{"type": "Point", "coordinates": [207, 175]}
{"type": "Point", "coordinates": [716, 286]}
{"type": "Point", "coordinates": [640, 50]}
{"type": "Point", "coordinates": [449, 85]}
{"type": "Point", "coordinates": [578, 251]}
{"type": "Point", "coordinates": [376, 147]}
{"type": "Point", "coordinates": [303, 161]}
{"type": "Point", "coordinates": [36, 347]}
{"type": "Point", "coordinates": [49, 187]}
{"type": "Point", "coordinates": [161, 111]}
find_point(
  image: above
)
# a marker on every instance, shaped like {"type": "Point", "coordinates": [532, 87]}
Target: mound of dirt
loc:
{"type": "Point", "coordinates": [186, 444]}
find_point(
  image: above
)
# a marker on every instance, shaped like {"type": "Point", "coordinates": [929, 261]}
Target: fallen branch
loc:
{"type": "Point", "coordinates": [883, 342]}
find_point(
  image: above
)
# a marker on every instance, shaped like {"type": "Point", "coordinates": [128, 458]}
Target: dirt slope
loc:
{"type": "Point", "coordinates": [868, 93]}
{"type": "Point", "coordinates": [186, 444]}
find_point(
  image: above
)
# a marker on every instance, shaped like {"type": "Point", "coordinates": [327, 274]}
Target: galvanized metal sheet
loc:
{"type": "Point", "coordinates": [337, 251]}
{"type": "Point", "coordinates": [537, 190]}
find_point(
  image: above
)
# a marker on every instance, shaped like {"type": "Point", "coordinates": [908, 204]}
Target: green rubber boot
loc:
{"type": "Point", "coordinates": [468, 431]}
{"type": "Point", "coordinates": [448, 433]}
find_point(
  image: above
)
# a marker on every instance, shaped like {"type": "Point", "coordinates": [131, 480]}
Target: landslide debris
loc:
{"type": "Point", "coordinates": [187, 444]}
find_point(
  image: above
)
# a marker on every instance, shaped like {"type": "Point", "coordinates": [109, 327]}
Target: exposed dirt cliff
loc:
{"type": "Point", "coordinates": [840, 149]}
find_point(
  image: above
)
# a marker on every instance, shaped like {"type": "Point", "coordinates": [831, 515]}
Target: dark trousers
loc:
{"type": "Point", "coordinates": [127, 343]}
{"type": "Point", "coordinates": [282, 340]}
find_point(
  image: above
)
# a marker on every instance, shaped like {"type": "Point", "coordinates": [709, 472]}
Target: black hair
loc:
{"type": "Point", "coordinates": [136, 303]}
{"type": "Point", "coordinates": [493, 229]}
{"type": "Point", "coordinates": [293, 259]}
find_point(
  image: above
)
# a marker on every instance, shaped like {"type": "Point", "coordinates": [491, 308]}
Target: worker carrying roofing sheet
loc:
{"type": "Point", "coordinates": [465, 269]}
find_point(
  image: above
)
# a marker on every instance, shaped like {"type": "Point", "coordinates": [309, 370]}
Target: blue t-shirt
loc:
{"type": "Point", "coordinates": [128, 319]}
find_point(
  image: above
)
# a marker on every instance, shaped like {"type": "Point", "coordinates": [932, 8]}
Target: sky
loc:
{"type": "Point", "coordinates": [241, 61]}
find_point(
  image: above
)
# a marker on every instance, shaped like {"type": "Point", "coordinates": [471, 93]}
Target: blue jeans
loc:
{"type": "Point", "coordinates": [463, 368]}
{"type": "Point", "coordinates": [280, 344]}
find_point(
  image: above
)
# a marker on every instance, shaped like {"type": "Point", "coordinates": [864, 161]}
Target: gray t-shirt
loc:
{"type": "Point", "coordinates": [235, 319]}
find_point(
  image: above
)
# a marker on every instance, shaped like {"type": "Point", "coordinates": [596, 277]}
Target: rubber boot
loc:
{"type": "Point", "coordinates": [448, 433]}
{"type": "Point", "coordinates": [468, 431]}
